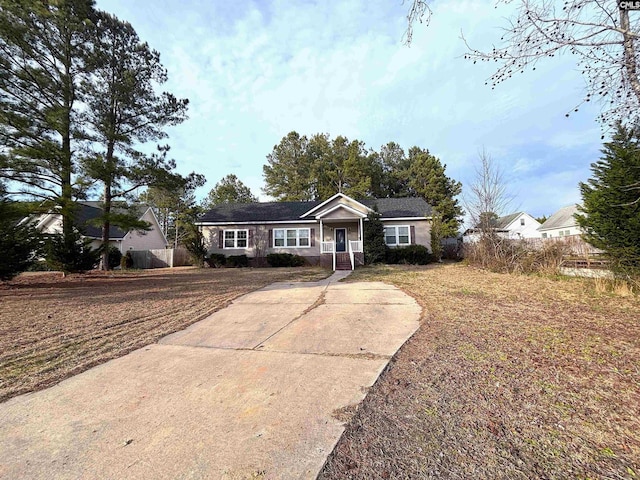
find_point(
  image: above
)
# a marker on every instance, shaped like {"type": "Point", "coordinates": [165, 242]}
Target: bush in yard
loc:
{"type": "Point", "coordinates": [18, 243]}
{"type": "Point", "coordinates": [126, 261]}
{"type": "Point", "coordinates": [412, 255]}
{"type": "Point", "coordinates": [452, 251]}
{"type": "Point", "coordinates": [71, 254]}
{"type": "Point", "coordinates": [373, 238]}
{"type": "Point", "coordinates": [39, 266]}
{"type": "Point", "coordinates": [504, 255]}
{"type": "Point", "coordinates": [285, 260]}
{"type": "Point", "coordinates": [237, 261]}
{"type": "Point", "coordinates": [195, 245]}
{"type": "Point", "coordinates": [115, 256]}
{"type": "Point", "coordinates": [216, 260]}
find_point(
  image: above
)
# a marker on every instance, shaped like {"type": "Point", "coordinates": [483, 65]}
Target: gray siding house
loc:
{"type": "Point", "coordinates": [328, 233]}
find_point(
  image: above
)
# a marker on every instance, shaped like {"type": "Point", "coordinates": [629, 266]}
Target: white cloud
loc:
{"type": "Point", "coordinates": [256, 70]}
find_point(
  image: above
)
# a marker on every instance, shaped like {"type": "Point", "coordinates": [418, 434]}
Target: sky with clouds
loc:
{"type": "Point", "coordinates": [256, 70]}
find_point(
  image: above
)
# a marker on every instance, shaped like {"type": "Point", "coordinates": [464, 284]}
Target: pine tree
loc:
{"type": "Point", "coordinates": [125, 111]}
{"type": "Point", "coordinates": [42, 61]}
{"type": "Point", "coordinates": [611, 201]}
{"type": "Point", "coordinates": [229, 189]}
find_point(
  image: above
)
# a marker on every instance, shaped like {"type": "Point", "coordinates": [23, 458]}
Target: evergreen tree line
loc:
{"type": "Point", "coordinates": [79, 101]}
{"type": "Point", "coordinates": [302, 168]}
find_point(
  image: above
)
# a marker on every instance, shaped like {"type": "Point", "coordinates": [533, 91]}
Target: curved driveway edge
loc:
{"type": "Point", "coordinates": [253, 391]}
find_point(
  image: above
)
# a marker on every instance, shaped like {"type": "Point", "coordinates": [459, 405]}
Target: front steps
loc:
{"type": "Point", "coordinates": [342, 261]}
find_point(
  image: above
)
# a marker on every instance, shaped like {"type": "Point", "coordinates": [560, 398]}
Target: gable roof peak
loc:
{"type": "Point", "coordinates": [329, 200]}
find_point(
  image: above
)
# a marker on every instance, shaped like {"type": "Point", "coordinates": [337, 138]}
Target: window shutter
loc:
{"type": "Point", "coordinates": [220, 238]}
{"type": "Point", "coordinates": [250, 242]}
{"type": "Point", "coordinates": [270, 238]}
{"type": "Point", "coordinates": [413, 235]}
{"type": "Point", "coordinates": [312, 234]}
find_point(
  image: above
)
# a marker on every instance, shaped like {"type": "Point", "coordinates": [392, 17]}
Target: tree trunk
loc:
{"type": "Point", "coordinates": [66, 167]}
{"type": "Point", "coordinates": [106, 208]}
{"type": "Point", "coordinates": [106, 225]}
{"type": "Point", "coordinates": [629, 53]}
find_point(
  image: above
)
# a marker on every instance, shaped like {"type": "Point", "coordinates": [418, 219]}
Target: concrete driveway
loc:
{"type": "Point", "coordinates": [253, 391]}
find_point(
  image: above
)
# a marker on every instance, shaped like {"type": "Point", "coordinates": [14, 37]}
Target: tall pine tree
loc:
{"type": "Point", "coordinates": [124, 112]}
{"type": "Point", "coordinates": [611, 201]}
{"type": "Point", "coordinates": [42, 60]}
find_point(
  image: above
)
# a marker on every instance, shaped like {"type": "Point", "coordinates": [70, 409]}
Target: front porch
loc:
{"type": "Point", "coordinates": [341, 228]}
{"type": "Point", "coordinates": [347, 260]}
{"type": "Point", "coordinates": [342, 246]}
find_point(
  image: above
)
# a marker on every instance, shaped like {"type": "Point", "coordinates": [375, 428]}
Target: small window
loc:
{"type": "Point", "coordinates": [303, 237]}
{"type": "Point", "coordinates": [561, 233]}
{"type": "Point", "coordinates": [278, 238]}
{"type": "Point", "coordinates": [522, 222]}
{"type": "Point", "coordinates": [567, 233]}
{"type": "Point", "coordinates": [235, 238]}
{"type": "Point", "coordinates": [544, 235]}
{"type": "Point", "coordinates": [403, 235]}
{"type": "Point", "coordinates": [390, 235]}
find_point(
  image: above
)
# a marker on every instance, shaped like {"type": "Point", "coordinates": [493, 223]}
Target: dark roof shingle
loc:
{"type": "Point", "coordinates": [283, 211]}
{"type": "Point", "coordinates": [85, 219]}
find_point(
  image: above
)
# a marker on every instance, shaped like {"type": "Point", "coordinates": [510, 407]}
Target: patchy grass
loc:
{"type": "Point", "coordinates": [53, 327]}
{"type": "Point", "coordinates": [508, 377]}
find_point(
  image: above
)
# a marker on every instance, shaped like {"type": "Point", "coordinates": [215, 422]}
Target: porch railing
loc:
{"type": "Point", "coordinates": [355, 246]}
{"type": "Point", "coordinates": [329, 247]}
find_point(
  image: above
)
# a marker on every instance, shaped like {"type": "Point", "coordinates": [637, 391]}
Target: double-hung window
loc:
{"type": "Point", "coordinates": [235, 238]}
{"type": "Point", "coordinates": [291, 237]}
{"type": "Point", "coordinates": [397, 235]}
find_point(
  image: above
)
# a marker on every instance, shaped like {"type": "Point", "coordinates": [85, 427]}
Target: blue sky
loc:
{"type": "Point", "coordinates": [254, 71]}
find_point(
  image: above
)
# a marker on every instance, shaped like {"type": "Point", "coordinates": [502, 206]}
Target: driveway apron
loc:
{"type": "Point", "coordinates": [253, 391]}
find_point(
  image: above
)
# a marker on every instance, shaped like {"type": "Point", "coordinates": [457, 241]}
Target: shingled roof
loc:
{"type": "Point", "coordinates": [562, 218]}
{"type": "Point", "coordinates": [505, 221]}
{"type": "Point", "coordinates": [287, 211]}
{"type": "Point", "coordinates": [400, 207]}
{"type": "Point", "coordinates": [84, 219]}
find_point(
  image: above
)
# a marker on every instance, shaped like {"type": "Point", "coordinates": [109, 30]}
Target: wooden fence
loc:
{"type": "Point", "coordinates": [579, 248]}
{"type": "Point", "coordinates": [161, 258]}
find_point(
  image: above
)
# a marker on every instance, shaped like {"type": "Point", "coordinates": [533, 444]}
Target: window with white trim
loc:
{"type": "Point", "coordinates": [397, 235]}
{"type": "Point", "coordinates": [291, 237]}
{"type": "Point", "coordinates": [235, 238]}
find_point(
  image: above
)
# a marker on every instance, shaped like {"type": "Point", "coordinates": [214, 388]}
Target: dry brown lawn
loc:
{"type": "Point", "coordinates": [508, 377]}
{"type": "Point", "coordinates": [53, 327]}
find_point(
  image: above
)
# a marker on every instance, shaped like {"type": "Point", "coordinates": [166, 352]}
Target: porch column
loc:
{"type": "Point", "coordinates": [361, 224]}
{"type": "Point", "coordinates": [321, 235]}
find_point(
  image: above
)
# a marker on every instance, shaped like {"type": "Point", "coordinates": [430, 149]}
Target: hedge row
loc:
{"type": "Point", "coordinates": [218, 260]}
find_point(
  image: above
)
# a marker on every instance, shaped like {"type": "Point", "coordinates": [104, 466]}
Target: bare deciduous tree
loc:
{"type": "Point", "coordinates": [600, 33]}
{"type": "Point", "coordinates": [487, 197]}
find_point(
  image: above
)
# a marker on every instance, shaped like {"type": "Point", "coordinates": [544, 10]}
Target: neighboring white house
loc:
{"type": "Point", "coordinates": [153, 238]}
{"type": "Point", "coordinates": [561, 224]}
{"type": "Point", "coordinates": [515, 226]}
